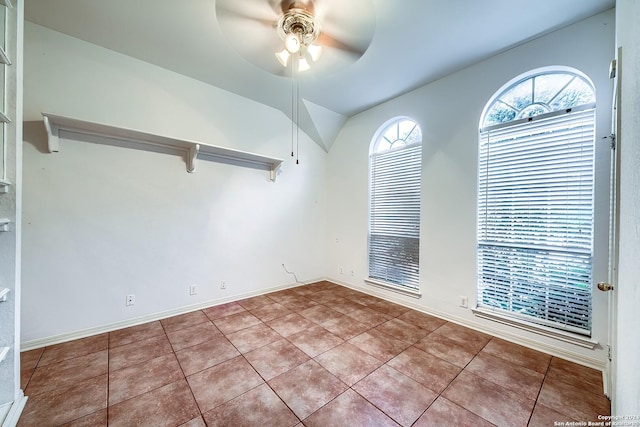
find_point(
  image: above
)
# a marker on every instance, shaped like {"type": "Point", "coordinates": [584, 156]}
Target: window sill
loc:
{"type": "Point", "coordinates": [395, 288]}
{"type": "Point", "coordinates": [568, 337]}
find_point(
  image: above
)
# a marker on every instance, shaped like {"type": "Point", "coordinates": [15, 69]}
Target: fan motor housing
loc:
{"type": "Point", "coordinates": [301, 23]}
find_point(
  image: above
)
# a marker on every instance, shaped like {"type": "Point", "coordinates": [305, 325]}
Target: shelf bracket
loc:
{"type": "Point", "coordinates": [273, 172]}
{"type": "Point", "coordinates": [53, 142]}
{"type": "Point", "coordinates": [191, 157]}
{"type": "Point", "coordinates": [3, 294]}
{"type": "Point", "coordinates": [4, 186]}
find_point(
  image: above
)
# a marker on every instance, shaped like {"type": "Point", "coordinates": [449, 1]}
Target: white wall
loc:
{"type": "Point", "coordinates": [449, 111]}
{"type": "Point", "coordinates": [101, 222]}
{"type": "Point", "coordinates": [627, 391]}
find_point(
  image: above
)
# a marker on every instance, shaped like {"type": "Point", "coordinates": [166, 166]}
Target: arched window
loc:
{"type": "Point", "coordinates": [535, 201]}
{"type": "Point", "coordinates": [394, 212]}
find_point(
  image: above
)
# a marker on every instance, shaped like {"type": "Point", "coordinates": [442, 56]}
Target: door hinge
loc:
{"type": "Point", "coordinates": [612, 140]}
{"type": "Point", "coordinates": [613, 68]}
{"type": "Point", "coordinates": [609, 352]}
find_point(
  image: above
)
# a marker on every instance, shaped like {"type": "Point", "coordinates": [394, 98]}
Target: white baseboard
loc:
{"type": "Point", "coordinates": [10, 413]}
{"type": "Point", "coordinates": [515, 338]}
{"type": "Point", "coordinates": [70, 336]}
{"type": "Point", "coordinates": [508, 336]}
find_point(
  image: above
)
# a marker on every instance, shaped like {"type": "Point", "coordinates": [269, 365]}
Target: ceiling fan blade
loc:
{"type": "Point", "coordinates": [250, 28]}
{"type": "Point", "coordinates": [276, 6]}
{"type": "Point", "coordinates": [282, 6]}
{"type": "Point", "coordinates": [325, 40]}
{"type": "Point", "coordinates": [346, 25]}
{"type": "Point", "coordinates": [225, 12]}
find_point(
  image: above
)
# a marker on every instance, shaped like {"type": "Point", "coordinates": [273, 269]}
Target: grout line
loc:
{"type": "Point", "coordinates": [108, 372]}
{"type": "Point", "coordinates": [544, 379]}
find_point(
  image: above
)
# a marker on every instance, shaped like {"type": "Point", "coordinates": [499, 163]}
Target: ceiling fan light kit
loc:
{"type": "Point", "coordinates": [298, 29]}
{"type": "Point", "coordinates": [338, 31]}
{"type": "Point", "coordinates": [298, 33]}
{"type": "Point", "coordinates": [292, 43]}
{"type": "Point", "coordinates": [283, 57]}
{"type": "Point", "coordinates": [314, 51]}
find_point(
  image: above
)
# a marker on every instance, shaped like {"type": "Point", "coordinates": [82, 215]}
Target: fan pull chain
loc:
{"type": "Point", "coordinates": [293, 97]}
{"type": "Point", "coordinates": [295, 113]}
{"type": "Point", "coordinates": [298, 124]}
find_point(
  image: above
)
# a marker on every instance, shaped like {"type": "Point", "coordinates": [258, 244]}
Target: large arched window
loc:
{"type": "Point", "coordinates": [535, 201]}
{"type": "Point", "coordinates": [394, 210]}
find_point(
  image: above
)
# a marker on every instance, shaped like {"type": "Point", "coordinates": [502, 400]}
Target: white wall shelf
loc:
{"type": "Point", "coordinates": [3, 294]}
{"type": "Point", "coordinates": [4, 186]}
{"type": "Point", "coordinates": [4, 224]}
{"type": "Point", "coordinates": [66, 127]}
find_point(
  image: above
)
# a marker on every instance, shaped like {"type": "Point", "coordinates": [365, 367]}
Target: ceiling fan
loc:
{"type": "Point", "coordinates": [285, 36]}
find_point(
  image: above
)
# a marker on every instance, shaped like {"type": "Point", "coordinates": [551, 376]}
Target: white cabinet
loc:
{"type": "Point", "coordinates": [12, 399]}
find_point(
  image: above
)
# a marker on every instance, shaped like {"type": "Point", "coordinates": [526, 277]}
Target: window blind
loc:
{"type": "Point", "coordinates": [535, 220]}
{"type": "Point", "coordinates": [394, 228]}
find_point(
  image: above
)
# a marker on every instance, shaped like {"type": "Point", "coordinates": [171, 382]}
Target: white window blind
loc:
{"type": "Point", "coordinates": [394, 228]}
{"type": "Point", "coordinates": [535, 219]}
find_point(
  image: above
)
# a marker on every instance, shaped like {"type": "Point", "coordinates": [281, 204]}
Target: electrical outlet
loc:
{"type": "Point", "coordinates": [341, 270]}
{"type": "Point", "coordinates": [353, 272]}
{"type": "Point", "coordinates": [464, 302]}
{"type": "Point", "coordinates": [223, 285]}
{"type": "Point", "coordinates": [130, 300]}
{"type": "Point", "coordinates": [193, 290]}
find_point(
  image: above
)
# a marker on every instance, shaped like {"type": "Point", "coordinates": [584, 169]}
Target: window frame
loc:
{"type": "Point", "coordinates": [406, 289]}
{"type": "Point", "coordinates": [568, 334]}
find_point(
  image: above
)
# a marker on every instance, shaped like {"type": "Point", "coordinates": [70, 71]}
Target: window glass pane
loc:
{"type": "Point", "coordinates": [577, 93]}
{"type": "Point", "coordinates": [397, 134]}
{"type": "Point", "coordinates": [547, 86]}
{"type": "Point", "coordinates": [409, 131]}
{"type": "Point", "coordinates": [532, 110]}
{"type": "Point", "coordinates": [538, 95]}
{"type": "Point", "coordinates": [500, 113]}
{"type": "Point", "coordinates": [392, 134]}
{"type": "Point", "coordinates": [383, 145]}
{"type": "Point", "coordinates": [519, 96]}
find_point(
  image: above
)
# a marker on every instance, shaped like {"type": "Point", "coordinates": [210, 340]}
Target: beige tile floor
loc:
{"type": "Point", "coordinates": [316, 355]}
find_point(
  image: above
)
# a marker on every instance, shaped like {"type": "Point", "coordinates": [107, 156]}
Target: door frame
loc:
{"type": "Point", "coordinates": [614, 228]}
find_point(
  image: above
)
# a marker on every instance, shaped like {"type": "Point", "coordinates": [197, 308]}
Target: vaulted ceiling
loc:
{"type": "Point", "coordinates": [413, 42]}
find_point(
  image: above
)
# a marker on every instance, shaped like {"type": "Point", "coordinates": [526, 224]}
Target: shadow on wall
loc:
{"type": "Point", "coordinates": [35, 134]}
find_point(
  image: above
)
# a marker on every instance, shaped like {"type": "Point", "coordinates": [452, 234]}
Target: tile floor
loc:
{"type": "Point", "coordinates": [316, 355]}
